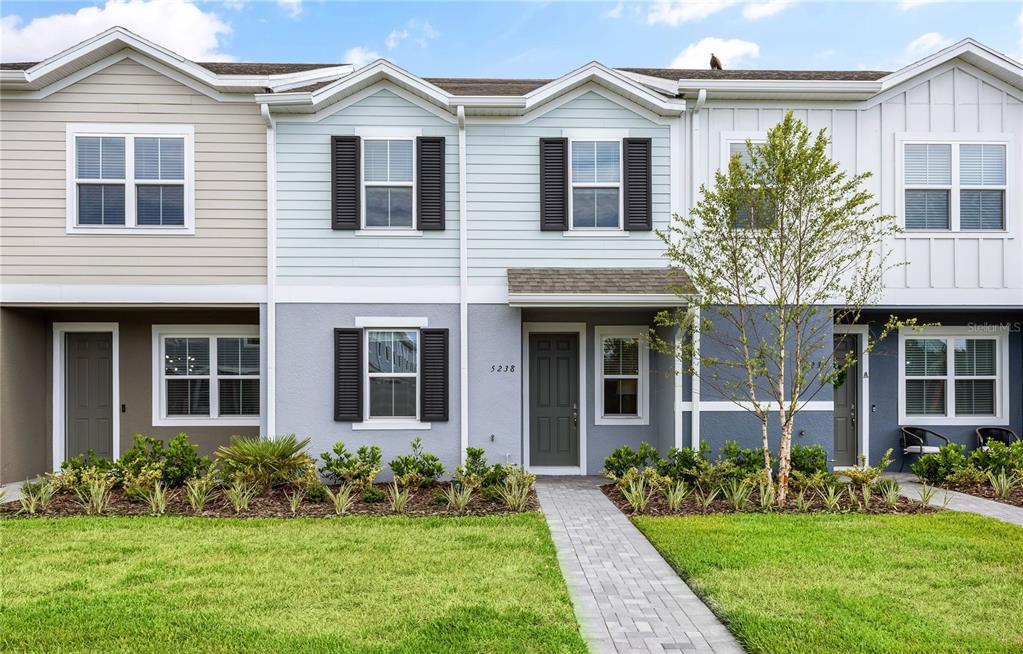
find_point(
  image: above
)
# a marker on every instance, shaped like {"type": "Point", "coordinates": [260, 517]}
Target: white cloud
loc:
{"type": "Point", "coordinates": [360, 56]}
{"type": "Point", "coordinates": [758, 10]}
{"type": "Point", "coordinates": [731, 52]}
{"type": "Point", "coordinates": [616, 11]}
{"type": "Point", "coordinates": [926, 44]}
{"type": "Point", "coordinates": [906, 5]}
{"type": "Point", "coordinates": [292, 7]}
{"type": "Point", "coordinates": [825, 54]}
{"type": "Point", "coordinates": [178, 25]}
{"type": "Point", "coordinates": [395, 37]}
{"type": "Point", "coordinates": [676, 12]}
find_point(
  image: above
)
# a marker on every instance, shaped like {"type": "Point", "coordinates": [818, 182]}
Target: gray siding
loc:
{"type": "Point", "coordinates": [229, 244]}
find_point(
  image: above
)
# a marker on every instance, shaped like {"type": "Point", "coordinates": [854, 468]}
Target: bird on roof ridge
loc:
{"type": "Point", "coordinates": [715, 63]}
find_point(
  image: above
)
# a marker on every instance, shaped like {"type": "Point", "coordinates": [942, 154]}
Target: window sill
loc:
{"type": "Point", "coordinates": [957, 421]}
{"type": "Point", "coordinates": [162, 231]}
{"type": "Point", "coordinates": [630, 421]}
{"type": "Point", "coordinates": [388, 232]}
{"type": "Point", "coordinates": [980, 233]}
{"type": "Point", "coordinates": [226, 421]}
{"type": "Point", "coordinates": [595, 233]}
{"type": "Point", "coordinates": [389, 425]}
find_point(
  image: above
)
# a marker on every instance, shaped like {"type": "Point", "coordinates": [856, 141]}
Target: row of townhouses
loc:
{"type": "Point", "coordinates": [370, 256]}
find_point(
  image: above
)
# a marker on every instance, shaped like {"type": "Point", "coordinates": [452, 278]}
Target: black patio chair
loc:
{"type": "Point", "coordinates": [919, 441]}
{"type": "Point", "coordinates": [1001, 434]}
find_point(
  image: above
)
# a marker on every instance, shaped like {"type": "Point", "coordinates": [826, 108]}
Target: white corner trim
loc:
{"type": "Point", "coordinates": [578, 328]}
{"type": "Point", "coordinates": [634, 331]}
{"type": "Point", "coordinates": [60, 330]}
{"type": "Point", "coordinates": [391, 321]}
{"type": "Point", "coordinates": [159, 417]}
{"type": "Point", "coordinates": [863, 361]}
{"type": "Point", "coordinates": [376, 424]}
{"type": "Point", "coordinates": [1002, 385]}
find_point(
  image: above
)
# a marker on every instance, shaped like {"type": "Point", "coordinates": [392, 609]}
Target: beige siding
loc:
{"type": "Point", "coordinates": [229, 244]}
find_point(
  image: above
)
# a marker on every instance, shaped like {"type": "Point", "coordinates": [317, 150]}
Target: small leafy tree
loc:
{"type": "Point", "coordinates": [781, 246]}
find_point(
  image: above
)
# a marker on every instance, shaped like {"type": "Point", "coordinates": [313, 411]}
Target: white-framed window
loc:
{"type": "Point", "coordinates": [392, 374]}
{"type": "Point", "coordinates": [954, 183]}
{"type": "Point", "coordinates": [130, 178]}
{"type": "Point", "coordinates": [595, 177]}
{"type": "Point", "coordinates": [734, 144]}
{"type": "Point", "coordinates": [206, 375]}
{"type": "Point", "coordinates": [622, 388]}
{"type": "Point", "coordinates": [953, 375]}
{"type": "Point", "coordinates": [388, 183]}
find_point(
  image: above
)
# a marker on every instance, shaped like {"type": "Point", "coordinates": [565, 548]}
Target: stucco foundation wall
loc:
{"type": "Point", "coordinates": [495, 398]}
{"type": "Point", "coordinates": [23, 390]}
{"type": "Point", "coordinates": [811, 428]}
{"type": "Point", "coordinates": [305, 380]}
{"type": "Point", "coordinates": [31, 343]}
{"type": "Point", "coordinates": [884, 377]}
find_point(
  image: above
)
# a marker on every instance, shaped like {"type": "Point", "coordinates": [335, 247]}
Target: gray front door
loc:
{"type": "Point", "coordinates": [88, 393]}
{"type": "Point", "coordinates": [554, 400]}
{"type": "Point", "coordinates": [846, 402]}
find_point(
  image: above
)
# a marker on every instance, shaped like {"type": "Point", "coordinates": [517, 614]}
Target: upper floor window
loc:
{"type": "Point", "coordinates": [130, 178]}
{"type": "Point", "coordinates": [388, 178]}
{"type": "Point", "coordinates": [957, 186]}
{"type": "Point", "coordinates": [748, 216]}
{"type": "Point", "coordinates": [596, 179]}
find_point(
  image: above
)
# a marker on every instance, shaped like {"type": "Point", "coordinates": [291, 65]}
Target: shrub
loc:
{"type": "Point", "coordinates": [315, 491]}
{"type": "Point", "coordinates": [93, 491]}
{"type": "Point", "coordinates": [683, 463]}
{"type": "Point", "coordinates": [651, 478]}
{"type": "Point", "coordinates": [714, 475]}
{"type": "Point", "coordinates": [176, 462]}
{"type": "Point", "coordinates": [373, 494]}
{"type": "Point", "coordinates": [76, 470]}
{"type": "Point", "coordinates": [419, 465]}
{"type": "Point", "coordinates": [937, 467]}
{"type": "Point", "coordinates": [863, 475]}
{"type": "Point", "coordinates": [476, 472]}
{"type": "Point", "coordinates": [36, 496]}
{"type": "Point", "coordinates": [619, 461]}
{"type": "Point", "coordinates": [747, 460]}
{"type": "Point", "coordinates": [514, 492]}
{"type": "Point", "coordinates": [808, 459]}
{"type": "Point", "coordinates": [137, 484]}
{"type": "Point", "coordinates": [968, 475]}
{"type": "Point", "coordinates": [357, 470]}
{"type": "Point", "coordinates": [814, 481]}
{"type": "Point", "coordinates": [999, 457]}
{"type": "Point", "coordinates": [263, 462]}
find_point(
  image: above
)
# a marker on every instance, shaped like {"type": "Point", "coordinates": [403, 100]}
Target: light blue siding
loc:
{"type": "Point", "coordinates": [504, 201]}
{"type": "Point", "coordinates": [309, 251]}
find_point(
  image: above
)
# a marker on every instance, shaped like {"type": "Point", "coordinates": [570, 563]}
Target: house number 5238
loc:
{"type": "Point", "coordinates": [502, 368]}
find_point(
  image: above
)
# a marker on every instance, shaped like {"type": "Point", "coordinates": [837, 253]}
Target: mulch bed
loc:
{"type": "Point", "coordinates": [659, 506]}
{"type": "Point", "coordinates": [274, 504]}
{"type": "Point", "coordinates": [1015, 497]}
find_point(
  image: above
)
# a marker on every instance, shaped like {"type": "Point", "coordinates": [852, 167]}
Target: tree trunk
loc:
{"type": "Point", "coordinates": [784, 457]}
{"type": "Point", "coordinates": [766, 445]}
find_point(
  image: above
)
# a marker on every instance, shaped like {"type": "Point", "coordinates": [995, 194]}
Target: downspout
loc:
{"type": "Point", "coordinates": [694, 415]}
{"type": "Point", "coordinates": [463, 288]}
{"type": "Point", "coordinates": [271, 270]}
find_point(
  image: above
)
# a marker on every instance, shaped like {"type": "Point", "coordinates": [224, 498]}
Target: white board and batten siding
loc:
{"type": "Point", "coordinates": [229, 243]}
{"type": "Point", "coordinates": [504, 192]}
{"type": "Point", "coordinates": [312, 255]}
{"type": "Point", "coordinates": [942, 268]}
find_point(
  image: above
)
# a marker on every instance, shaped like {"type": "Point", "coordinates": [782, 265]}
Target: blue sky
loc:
{"type": "Point", "coordinates": [505, 39]}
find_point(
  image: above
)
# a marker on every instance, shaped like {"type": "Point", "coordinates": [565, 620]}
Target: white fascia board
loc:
{"type": "Point", "coordinates": [973, 52]}
{"type": "Point", "coordinates": [661, 83]}
{"type": "Point", "coordinates": [788, 89]}
{"type": "Point", "coordinates": [616, 81]}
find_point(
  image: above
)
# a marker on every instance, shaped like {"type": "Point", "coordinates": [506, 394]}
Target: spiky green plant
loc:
{"type": "Point", "coordinates": [737, 493]}
{"type": "Point", "coordinates": [927, 493]}
{"type": "Point", "coordinates": [705, 499]}
{"type": "Point", "coordinates": [36, 496]}
{"type": "Point", "coordinates": [295, 497]}
{"type": "Point", "coordinates": [156, 498]}
{"type": "Point", "coordinates": [398, 497]}
{"type": "Point", "coordinates": [94, 494]}
{"type": "Point", "coordinates": [342, 499]}
{"type": "Point", "coordinates": [638, 494]}
{"type": "Point", "coordinates": [676, 493]}
{"type": "Point", "coordinates": [457, 497]}
{"type": "Point", "coordinates": [198, 491]}
{"type": "Point", "coordinates": [1002, 482]}
{"type": "Point", "coordinates": [239, 494]}
{"type": "Point", "coordinates": [831, 495]}
{"type": "Point", "coordinates": [890, 492]}
{"type": "Point", "coordinates": [265, 462]}
{"type": "Point", "coordinates": [516, 488]}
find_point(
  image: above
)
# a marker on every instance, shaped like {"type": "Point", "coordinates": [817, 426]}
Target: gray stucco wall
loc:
{"type": "Point", "coordinates": [601, 440]}
{"type": "Point", "coordinates": [24, 435]}
{"type": "Point", "coordinates": [884, 377]}
{"type": "Point", "coordinates": [718, 427]}
{"type": "Point", "coordinates": [305, 379]}
{"type": "Point", "coordinates": [495, 398]}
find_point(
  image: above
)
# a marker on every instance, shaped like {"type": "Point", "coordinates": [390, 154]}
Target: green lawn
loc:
{"type": "Point", "coordinates": [937, 583]}
{"type": "Point", "coordinates": [304, 585]}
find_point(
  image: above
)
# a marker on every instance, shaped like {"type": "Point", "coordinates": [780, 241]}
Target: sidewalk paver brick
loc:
{"type": "Point", "coordinates": [626, 596]}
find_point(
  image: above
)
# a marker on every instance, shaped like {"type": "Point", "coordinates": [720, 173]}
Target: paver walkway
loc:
{"type": "Point", "coordinates": [627, 598]}
{"type": "Point", "coordinates": [960, 501]}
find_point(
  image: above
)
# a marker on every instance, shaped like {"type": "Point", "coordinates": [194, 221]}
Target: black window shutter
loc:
{"type": "Point", "coordinates": [430, 183]}
{"type": "Point", "coordinates": [554, 184]}
{"type": "Point", "coordinates": [433, 375]}
{"type": "Point", "coordinates": [348, 375]}
{"type": "Point", "coordinates": [345, 161]}
{"type": "Point", "coordinates": [638, 181]}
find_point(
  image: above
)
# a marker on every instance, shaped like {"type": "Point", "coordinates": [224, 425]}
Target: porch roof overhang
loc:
{"type": "Point", "coordinates": [597, 287]}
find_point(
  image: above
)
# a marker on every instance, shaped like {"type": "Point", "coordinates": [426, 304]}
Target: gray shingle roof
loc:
{"type": "Point", "coordinates": [596, 281]}
{"type": "Point", "coordinates": [486, 85]}
{"type": "Point", "coordinates": [766, 75]}
{"type": "Point", "coordinates": [218, 67]}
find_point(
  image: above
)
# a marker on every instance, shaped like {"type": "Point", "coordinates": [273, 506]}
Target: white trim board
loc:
{"type": "Point", "coordinates": [227, 294]}
{"type": "Point", "coordinates": [59, 440]}
{"type": "Point", "coordinates": [578, 328]}
{"type": "Point", "coordinates": [863, 410]}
